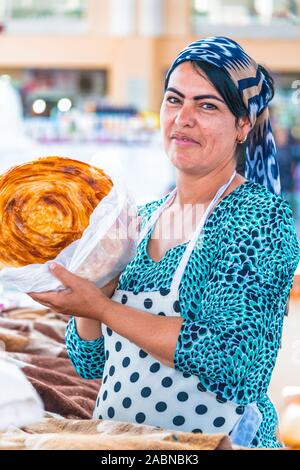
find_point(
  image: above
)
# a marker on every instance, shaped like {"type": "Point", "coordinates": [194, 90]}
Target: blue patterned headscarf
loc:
{"type": "Point", "coordinates": [261, 163]}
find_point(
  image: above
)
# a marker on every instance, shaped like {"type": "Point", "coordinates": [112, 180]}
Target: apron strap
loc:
{"type": "Point", "coordinates": [186, 256]}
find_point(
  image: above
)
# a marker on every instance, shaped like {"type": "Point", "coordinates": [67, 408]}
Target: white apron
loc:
{"type": "Point", "coordinates": [137, 388]}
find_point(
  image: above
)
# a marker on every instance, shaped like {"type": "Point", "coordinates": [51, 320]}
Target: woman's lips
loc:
{"type": "Point", "coordinates": [184, 142]}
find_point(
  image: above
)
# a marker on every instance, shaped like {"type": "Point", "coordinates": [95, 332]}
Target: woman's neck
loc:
{"type": "Point", "coordinates": [201, 189]}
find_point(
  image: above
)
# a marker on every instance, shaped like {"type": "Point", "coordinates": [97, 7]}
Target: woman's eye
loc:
{"type": "Point", "coordinates": [172, 100]}
{"type": "Point", "coordinates": [208, 106]}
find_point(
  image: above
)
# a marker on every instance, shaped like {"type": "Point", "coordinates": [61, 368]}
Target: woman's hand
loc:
{"type": "Point", "coordinates": [81, 297]}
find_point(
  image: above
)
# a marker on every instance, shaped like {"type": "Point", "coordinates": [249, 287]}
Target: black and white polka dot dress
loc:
{"type": "Point", "coordinates": [137, 388]}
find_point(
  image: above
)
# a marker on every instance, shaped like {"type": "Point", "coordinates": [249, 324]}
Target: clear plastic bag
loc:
{"type": "Point", "coordinates": [106, 246]}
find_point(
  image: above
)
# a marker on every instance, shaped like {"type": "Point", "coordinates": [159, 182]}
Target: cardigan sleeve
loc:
{"type": "Point", "coordinates": [88, 357]}
{"type": "Point", "coordinates": [242, 307]}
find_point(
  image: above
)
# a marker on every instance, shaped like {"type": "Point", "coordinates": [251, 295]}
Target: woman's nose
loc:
{"type": "Point", "coordinates": [185, 116]}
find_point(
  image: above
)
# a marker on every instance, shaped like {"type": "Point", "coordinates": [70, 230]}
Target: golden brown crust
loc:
{"type": "Point", "coordinates": [44, 206]}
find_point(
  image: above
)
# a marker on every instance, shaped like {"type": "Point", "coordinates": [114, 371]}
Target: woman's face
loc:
{"type": "Point", "coordinates": [199, 131]}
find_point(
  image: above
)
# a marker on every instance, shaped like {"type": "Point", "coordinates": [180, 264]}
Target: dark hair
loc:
{"type": "Point", "coordinates": [230, 94]}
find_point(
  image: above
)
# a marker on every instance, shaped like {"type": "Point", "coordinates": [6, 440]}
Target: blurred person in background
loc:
{"type": "Point", "coordinates": [187, 337]}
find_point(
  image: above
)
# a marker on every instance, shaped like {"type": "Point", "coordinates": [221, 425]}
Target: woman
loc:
{"type": "Point", "coordinates": [192, 331]}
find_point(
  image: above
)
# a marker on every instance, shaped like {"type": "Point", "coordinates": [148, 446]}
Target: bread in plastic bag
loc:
{"type": "Point", "coordinates": [106, 246]}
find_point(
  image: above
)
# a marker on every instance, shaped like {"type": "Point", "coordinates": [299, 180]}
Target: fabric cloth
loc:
{"type": "Point", "coordinates": [20, 405]}
{"type": "Point", "coordinates": [34, 342]}
{"type": "Point", "coordinates": [57, 434]}
{"type": "Point", "coordinates": [261, 163]}
{"type": "Point", "coordinates": [232, 297]}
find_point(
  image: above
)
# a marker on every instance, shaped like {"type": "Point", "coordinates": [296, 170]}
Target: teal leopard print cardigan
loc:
{"type": "Point", "coordinates": [233, 296]}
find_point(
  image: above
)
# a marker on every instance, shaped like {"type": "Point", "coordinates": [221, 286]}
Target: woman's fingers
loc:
{"type": "Point", "coordinates": [46, 304]}
{"type": "Point", "coordinates": [67, 278]}
{"type": "Point", "coordinates": [49, 299]}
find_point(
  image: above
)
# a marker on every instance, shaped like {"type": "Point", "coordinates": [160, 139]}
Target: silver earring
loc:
{"type": "Point", "coordinates": [242, 141]}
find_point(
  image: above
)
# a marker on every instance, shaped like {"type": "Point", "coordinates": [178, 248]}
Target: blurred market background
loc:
{"type": "Point", "coordinates": [84, 79]}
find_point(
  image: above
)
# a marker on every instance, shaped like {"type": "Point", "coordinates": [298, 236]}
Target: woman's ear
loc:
{"type": "Point", "coordinates": [243, 127]}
